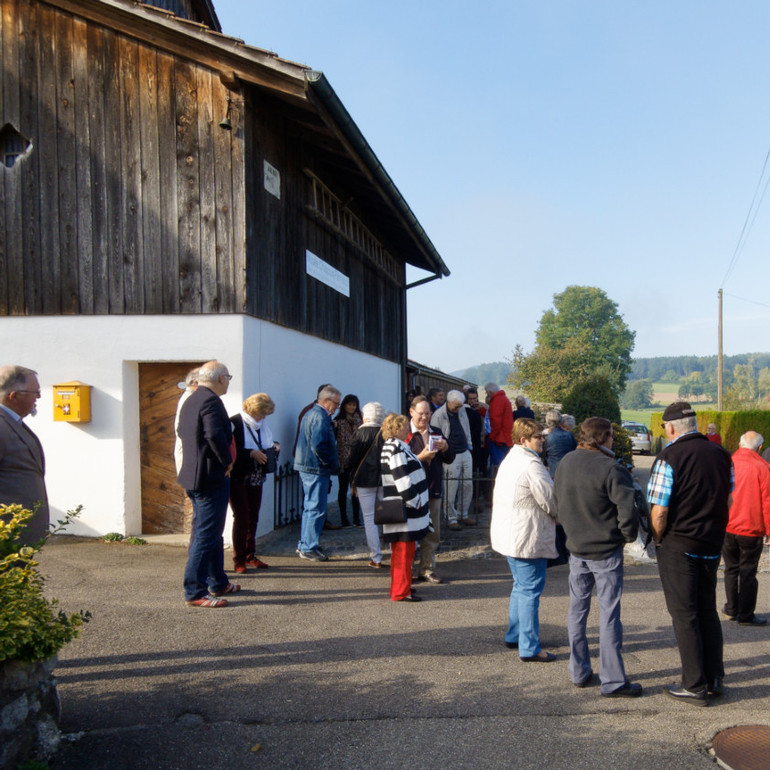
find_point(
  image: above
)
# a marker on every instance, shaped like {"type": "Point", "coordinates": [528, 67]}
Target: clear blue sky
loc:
{"type": "Point", "coordinates": [549, 143]}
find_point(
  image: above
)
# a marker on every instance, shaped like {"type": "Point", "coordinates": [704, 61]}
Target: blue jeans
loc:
{"type": "Point", "coordinates": [497, 453]}
{"type": "Point", "coordinates": [607, 576]}
{"type": "Point", "coordinates": [523, 620]}
{"type": "Point", "coordinates": [205, 570]}
{"type": "Point", "coordinates": [316, 489]}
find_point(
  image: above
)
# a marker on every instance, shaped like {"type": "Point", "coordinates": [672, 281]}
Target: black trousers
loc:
{"type": "Point", "coordinates": [689, 586]}
{"type": "Point", "coordinates": [741, 554]}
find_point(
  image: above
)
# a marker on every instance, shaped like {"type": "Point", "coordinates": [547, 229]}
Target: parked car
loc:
{"type": "Point", "coordinates": [641, 439]}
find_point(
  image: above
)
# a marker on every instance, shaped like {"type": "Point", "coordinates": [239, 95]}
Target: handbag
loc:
{"type": "Point", "coordinates": [389, 510]}
{"type": "Point", "coordinates": [258, 473]}
{"type": "Point", "coordinates": [269, 465]}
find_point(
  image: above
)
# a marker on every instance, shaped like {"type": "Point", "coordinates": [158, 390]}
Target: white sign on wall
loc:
{"type": "Point", "coordinates": [272, 180]}
{"type": "Point", "coordinates": [325, 273]}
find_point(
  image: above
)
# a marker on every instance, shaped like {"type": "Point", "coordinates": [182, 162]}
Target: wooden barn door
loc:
{"type": "Point", "coordinates": [165, 507]}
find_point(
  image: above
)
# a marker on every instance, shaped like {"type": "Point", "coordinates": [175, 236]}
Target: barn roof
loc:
{"type": "Point", "coordinates": [310, 101]}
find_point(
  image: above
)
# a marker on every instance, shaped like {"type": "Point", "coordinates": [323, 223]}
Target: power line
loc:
{"type": "Point", "coordinates": [748, 225]}
{"type": "Point", "coordinates": [752, 301]}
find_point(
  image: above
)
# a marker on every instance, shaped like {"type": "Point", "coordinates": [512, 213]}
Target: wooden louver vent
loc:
{"type": "Point", "coordinates": [333, 212]}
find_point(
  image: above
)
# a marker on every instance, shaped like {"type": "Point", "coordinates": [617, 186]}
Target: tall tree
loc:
{"type": "Point", "coordinates": [637, 395]}
{"type": "Point", "coordinates": [742, 394]}
{"type": "Point", "coordinates": [583, 336]}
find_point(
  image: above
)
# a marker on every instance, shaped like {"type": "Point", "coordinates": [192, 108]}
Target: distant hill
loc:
{"type": "Point", "coordinates": [497, 371]}
{"type": "Point", "coordinates": [656, 368]}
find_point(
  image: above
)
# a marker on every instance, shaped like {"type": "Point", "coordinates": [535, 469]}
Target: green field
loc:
{"type": "Point", "coordinates": [638, 415]}
{"type": "Point", "coordinates": [663, 394]}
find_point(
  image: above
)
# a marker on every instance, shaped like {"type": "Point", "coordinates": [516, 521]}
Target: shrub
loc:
{"type": "Point", "coordinates": [32, 628]}
{"type": "Point", "coordinates": [593, 397]}
{"type": "Point", "coordinates": [621, 446]}
{"type": "Point", "coordinates": [730, 425]}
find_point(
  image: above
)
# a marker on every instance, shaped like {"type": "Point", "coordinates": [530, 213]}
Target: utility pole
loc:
{"type": "Point", "coordinates": [720, 362]}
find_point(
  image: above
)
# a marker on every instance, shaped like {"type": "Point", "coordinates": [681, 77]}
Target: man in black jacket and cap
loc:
{"type": "Point", "coordinates": [690, 484]}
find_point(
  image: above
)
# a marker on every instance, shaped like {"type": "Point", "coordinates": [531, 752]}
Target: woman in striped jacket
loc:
{"type": "Point", "coordinates": [403, 476]}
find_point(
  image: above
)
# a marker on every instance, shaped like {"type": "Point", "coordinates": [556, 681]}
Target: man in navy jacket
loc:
{"type": "Point", "coordinates": [205, 433]}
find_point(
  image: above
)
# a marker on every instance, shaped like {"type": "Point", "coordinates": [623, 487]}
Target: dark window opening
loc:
{"type": "Point", "coordinates": [12, 145]}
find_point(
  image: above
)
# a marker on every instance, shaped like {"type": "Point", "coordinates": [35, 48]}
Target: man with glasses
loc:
{"type": "Point", "coordinates": [205, 432]}
{"type": "Point", "coordinates": [689, 487]}
{"type": "Point", "coordinates": [316, 460]}
{"type": "Point", "coordinates": [595, 504]}
{"type": "Point", "coordinates": [22, 462]}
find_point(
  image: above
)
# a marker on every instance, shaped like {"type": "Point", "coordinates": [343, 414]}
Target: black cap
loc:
{"type": "Point", "coordinates": [677, 411]}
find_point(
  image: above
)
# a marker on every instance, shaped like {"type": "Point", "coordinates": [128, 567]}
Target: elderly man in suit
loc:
{"type": "Point", "coordinates": [22, 462]}
{"type": "Point", "coordinates": [204, 429]}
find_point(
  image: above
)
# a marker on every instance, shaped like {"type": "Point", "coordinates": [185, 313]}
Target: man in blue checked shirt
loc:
{"type": "Point", "coordinates": [688, 491]}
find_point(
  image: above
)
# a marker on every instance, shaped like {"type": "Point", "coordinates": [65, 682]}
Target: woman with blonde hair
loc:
{"type": "Point", "coordinates": [523, 529]}
{"type": "Point", "coordinates": [256, 455]}
{"type": "Point", "coordinates": [403, 476]}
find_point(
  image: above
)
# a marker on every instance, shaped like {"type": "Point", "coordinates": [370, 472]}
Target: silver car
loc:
{"type": "Point", "coordinates": [641, 440]}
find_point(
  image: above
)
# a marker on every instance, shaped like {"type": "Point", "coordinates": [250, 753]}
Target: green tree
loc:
{"type": "Point", "coordinates": [547, 374]}
{"type": "Point", "coordinates": [763, 382]}
{"type": "Point", "coordinates": [637, 395]}
{"type": "Point", "coordinates": [670, 376]}
{"type": "Point", "coordinates": [742, 394]}
{"type": "Point", "coordinates": [593, 397]}
{"type": "Point", "coordinates": [689, 390]}
{"type": "Point", "coordinates": [582, 336]}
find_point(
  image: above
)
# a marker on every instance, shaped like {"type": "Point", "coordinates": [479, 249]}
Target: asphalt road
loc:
{"type": "Point", "coordinates": [312, 666]}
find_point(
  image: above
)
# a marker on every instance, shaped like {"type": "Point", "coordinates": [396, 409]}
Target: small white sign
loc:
{"type": "Point", "coordinates": [272, 180]}
{"type": "Point", "coordinates": [325, 273]}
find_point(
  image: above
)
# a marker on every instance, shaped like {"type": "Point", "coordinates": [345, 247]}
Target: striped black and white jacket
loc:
{"type": "Point", "coordinates": [403, 476]}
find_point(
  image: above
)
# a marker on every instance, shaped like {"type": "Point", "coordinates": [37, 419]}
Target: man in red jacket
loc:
{"type": "Point", "coordinates": [748, 529]}
{"type": "Point", "coordinates": [500, 416]}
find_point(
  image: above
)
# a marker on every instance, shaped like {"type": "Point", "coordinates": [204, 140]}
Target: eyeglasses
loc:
{"type": "Point", "coordinates": [539, 435]}
{"type": "Point", "coordinates": [36, 392]}
{"type": "Point", "coordinates": [228, 377]}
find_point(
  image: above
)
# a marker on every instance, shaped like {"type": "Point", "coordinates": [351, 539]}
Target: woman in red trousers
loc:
{"type": "Point", "coordinates": [403, 476]}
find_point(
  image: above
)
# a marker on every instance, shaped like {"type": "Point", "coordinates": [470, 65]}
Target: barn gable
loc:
{"type": "Point", "coordinates": [131, 195]}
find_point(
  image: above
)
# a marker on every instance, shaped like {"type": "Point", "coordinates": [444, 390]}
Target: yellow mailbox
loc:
{"type": "Point", "coordinates": [72, 402]}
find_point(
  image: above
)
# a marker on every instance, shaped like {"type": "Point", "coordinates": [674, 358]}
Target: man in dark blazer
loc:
{"type": "Point", "coordinates": [22, 462]}
{"type": "Point", "coordinates": [205, 433]}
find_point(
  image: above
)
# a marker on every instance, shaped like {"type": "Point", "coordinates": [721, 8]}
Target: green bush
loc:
{"type": "Point", "coordinates": [730, 425]}
{"type": "Point", "coordinates": [621, 445]}
{"type": "Point", "coordinates": [593, 397]}
{"type": "Point", "coordinates": [31, 626]}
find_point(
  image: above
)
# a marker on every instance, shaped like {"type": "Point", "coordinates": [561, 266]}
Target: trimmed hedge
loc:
{"type": "Point", "coordinates": [730, 425]}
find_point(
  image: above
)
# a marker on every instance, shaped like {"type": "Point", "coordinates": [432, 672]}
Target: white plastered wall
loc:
{"type": "Point", "coordinates": [96, 464]}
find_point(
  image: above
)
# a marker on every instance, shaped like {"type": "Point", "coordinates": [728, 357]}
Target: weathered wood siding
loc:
{"type": "Point", "coordinates": [280, 230]}
{"type": "Point", "coordinates": [125, 202]}
{"type": "Point", "coordinates": [133, 200]}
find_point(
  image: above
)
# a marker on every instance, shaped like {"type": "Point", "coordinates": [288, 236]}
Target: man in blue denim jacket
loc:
{"type": "Point", "coordinates": [316, 459]}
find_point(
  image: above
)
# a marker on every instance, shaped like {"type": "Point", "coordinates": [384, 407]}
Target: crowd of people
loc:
{"type": "Point", "coordinates": [705, 505]}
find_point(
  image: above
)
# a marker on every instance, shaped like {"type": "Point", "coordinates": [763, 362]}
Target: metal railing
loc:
{"type": "Point", "coordinates": [287, 496]}
{"type": "Point", "coordinates": [482, 489]}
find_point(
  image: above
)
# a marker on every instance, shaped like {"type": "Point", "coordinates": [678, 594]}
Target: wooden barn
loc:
{"type": "Point", "coordinates": [168, 195]}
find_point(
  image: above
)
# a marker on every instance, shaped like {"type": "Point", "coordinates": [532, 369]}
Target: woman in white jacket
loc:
{"type": "Point", "coordinates": [524, 530]}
